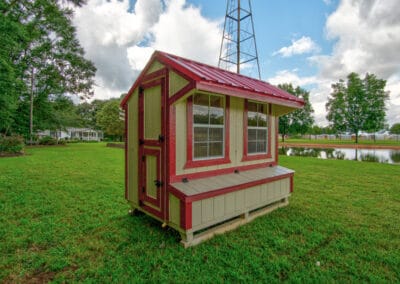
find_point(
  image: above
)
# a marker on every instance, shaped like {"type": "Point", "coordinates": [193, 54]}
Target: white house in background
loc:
{"type": "Point", "coordinates": [72, 133]}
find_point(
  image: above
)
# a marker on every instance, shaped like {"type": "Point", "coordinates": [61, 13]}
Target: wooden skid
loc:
{"type": "Point", "coordinates": [191, 239]}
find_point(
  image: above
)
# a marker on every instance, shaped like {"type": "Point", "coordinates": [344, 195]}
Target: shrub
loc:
{"type": "Point", "coordinates": [12, 144]}
{"type": "Point", "coordinates": [47, 140]}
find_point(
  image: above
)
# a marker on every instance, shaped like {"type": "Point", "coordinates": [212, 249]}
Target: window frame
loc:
{"type": "Point", "coordinates": [256, 156]}
{"type": "Point", "coordinates": [207, 161]}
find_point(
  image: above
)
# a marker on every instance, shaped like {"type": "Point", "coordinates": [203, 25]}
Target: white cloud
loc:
{"type": "Point", "coordinates": [317, 87]}
{"type": "Point", "coordinates": [300, 46]}
{"type": "Point", "coordinates": [120, 42]}
{"type": "Point", "coordinates": [287, 76]}
{"type": "Point", "coordinates": [367, 35]}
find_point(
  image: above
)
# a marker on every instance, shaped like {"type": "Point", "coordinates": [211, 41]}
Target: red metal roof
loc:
{"type": "Point", "coordinates": [212, 78]}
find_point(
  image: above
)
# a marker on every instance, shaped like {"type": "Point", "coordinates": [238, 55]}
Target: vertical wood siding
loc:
{"type": "Point", "coordinates": [133, 146]}
{"type": "Point", "coordinates": [210, 211]}
{"type": "Point", "coordinates": [176, 83]}
{"type": "Point", "coordinates": [152, 113]}
{"type": "Point", "coordinates": [154, 67]}
{"type": "Point", "coordinates": [174, 210]}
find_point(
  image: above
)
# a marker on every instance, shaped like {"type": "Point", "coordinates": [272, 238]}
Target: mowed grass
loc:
{"type": "Point", "coordinates": [63, 218]}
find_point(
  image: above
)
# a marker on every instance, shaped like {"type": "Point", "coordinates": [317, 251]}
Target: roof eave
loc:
{"type": "Point", "coordinates": [235, 92]}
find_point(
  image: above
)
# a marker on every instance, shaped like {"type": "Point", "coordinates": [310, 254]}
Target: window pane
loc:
{"type": "Point", "coordinates": [261, 146]}
{"type": "Point", "coordinates": [252, 134]}
{"type": "Point", "coordinates": [216, 149]}
{"type": "Point", "coordinates": [251, 106]}
{"type": "Point", "coordinates": [200, 114]}
{"type": "Point", "coordinates": [216, 134]}
{"type": "Point", "coordinates": [216, 110]}
{"type": "Point", "coordinates": [200, 99]}
{"type": "Point", "coordinates": [251, 118]}
{"type": "Point", "coordinates": [262, 119]}
{"type": "Point", "coordinates": [252, 147]}
{"type": "Point", "coordinates": [217, 101]}
{"type": "Point", "coordinates": [200, 150]}
{"type": "Point", "coordinates": [200, 134]}
{"type": "Point", "coordinates": [261, 134]}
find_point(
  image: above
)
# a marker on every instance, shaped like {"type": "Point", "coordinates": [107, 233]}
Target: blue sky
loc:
{"type": "Point", "coordinates": [309, 43]}
{"type": "Point", "coordinates": [276, 24]}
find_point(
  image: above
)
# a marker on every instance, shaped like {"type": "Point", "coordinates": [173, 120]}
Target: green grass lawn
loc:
{"type": "Point", "coordinates": [64, 218]}
{"type": "Point", "coordinates": [338, 141]}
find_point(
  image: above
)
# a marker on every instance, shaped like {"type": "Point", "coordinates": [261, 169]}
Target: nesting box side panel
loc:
{"type": "Point", "coordinates": [132, 149]}
{"type": "Point", "coordinates": [211, 211]}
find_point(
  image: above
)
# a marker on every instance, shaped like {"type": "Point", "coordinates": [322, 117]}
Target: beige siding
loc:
{"type": "Point", "coordinates": [154, 67]}
{"type": "Point", "coordinates": [133, 146]}
{"type": "Point", "coordinates": [176, 83]}
{"type": "Point", "coordinates": [208, 212]}
{"type": "Point", "coordinates": [152, 112]}
{"type": "Point", "coordinates": [151, 175]}
{"type": "Point", "coordinates": [174, 210]}
{"type": "Point", "coordinates": [180, 136]}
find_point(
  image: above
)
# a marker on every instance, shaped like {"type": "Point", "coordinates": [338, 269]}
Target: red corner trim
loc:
{"type": "Point", "coordinates": [181, 92]}
{"type": "Point", "coordinates": [190, 163]}
{"type": "Point", "coordinates": [186, 215]}
{"type": "Point", "coordinates": [246, 156]}
{"type": "Point", "coordinates": [276, 139]}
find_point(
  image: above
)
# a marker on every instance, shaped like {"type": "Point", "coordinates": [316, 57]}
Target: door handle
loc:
{"type": "Point", "coordinates": [158, 183]}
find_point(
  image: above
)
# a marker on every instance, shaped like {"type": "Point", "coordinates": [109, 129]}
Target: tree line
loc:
{"type": "Point", "coordinates": [41, 64]}
{"type": "Point", "coordinates": [357, 104]}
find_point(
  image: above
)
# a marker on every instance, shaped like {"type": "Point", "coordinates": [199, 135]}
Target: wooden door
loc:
{"type": "Point", "coordinates": [152, 103]}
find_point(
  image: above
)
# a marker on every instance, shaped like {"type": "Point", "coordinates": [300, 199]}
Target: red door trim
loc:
{"type": "Point", "coordinates": [153, 80]}
{"type": "Point", "coordinates": [145, 197]}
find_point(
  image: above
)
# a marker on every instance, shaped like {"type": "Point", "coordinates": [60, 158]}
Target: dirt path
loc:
{"type": "Point", "coordinates": [351, 146]}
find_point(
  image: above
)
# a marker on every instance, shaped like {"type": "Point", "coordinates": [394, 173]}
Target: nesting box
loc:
{"type": "Point", "coordinates": [201, 150]}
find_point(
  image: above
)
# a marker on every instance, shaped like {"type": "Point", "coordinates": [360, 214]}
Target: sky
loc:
{"type": "Point", "coordinates": [309, 43]}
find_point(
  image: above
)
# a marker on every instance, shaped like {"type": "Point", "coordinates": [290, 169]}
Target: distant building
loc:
{"type": "Point", "coordinates": [72, 133]}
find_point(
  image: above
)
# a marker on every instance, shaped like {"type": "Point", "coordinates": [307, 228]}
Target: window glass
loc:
{"type": "Point", "coordinates": [208, 126]}
{"type": "Point", "coordinates": [257, 128]}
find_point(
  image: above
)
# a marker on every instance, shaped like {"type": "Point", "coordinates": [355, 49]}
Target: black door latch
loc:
{"type": "Point", "coordinates": [158, 183]}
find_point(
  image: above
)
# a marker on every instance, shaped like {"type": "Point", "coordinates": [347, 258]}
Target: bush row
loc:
{"type": "Point", "coordinates": [11, 144]}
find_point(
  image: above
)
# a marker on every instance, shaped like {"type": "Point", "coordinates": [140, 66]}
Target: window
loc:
{"type": "Point", "coordinates": [208, 126]}
{"type": "Point", "coordinates": [256, 131]}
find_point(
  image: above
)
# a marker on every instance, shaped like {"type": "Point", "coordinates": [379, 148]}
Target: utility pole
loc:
{"type": "Point", "coordinates": [238, 50]}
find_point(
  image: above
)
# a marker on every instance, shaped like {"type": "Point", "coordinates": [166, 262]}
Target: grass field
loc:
{"type": "Point", "coordinates": [63, 218]}
{"type": "Point", "coordinates": [345, 142]}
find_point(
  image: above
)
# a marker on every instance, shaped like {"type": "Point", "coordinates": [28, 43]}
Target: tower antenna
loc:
{"type": "Point", "coordinates": [238, 50]}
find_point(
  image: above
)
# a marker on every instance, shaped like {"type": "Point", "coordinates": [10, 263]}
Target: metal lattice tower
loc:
{"type": "Point", "coordinates": [238, 47]}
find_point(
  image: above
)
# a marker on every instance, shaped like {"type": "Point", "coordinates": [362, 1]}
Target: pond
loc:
{"type": "Point", "coordinates": [365, 155]}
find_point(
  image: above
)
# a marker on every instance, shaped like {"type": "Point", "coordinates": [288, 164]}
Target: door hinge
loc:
{"type": "Point", "coordinates": [161, 138]}
{"type": "Point", "coordinates": [143, 158]}
{"type": "Point", "coordinates": [158, 183]}
{"type": "Point", "coordinates": [141, 141]}
{"type": "Point", "coordinates": [143, 189]}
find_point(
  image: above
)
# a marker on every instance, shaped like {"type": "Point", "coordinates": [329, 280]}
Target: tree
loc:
{"type": "Point", "coordinates": [395, 129]}
{"type": "Point", "coordinates": [87, 113]}
{"type": "Point", "coordinates": [48, 60]}
{"type": "Point", "coordinates": [301, 120]}
{"type": "Point", "coordinates": [108, 119]}
{"type": "Point", "coordinates": [357, 105]}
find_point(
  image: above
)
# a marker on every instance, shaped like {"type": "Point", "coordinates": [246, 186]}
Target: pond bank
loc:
{"type": "Point", "coordinates": [332, 145]}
